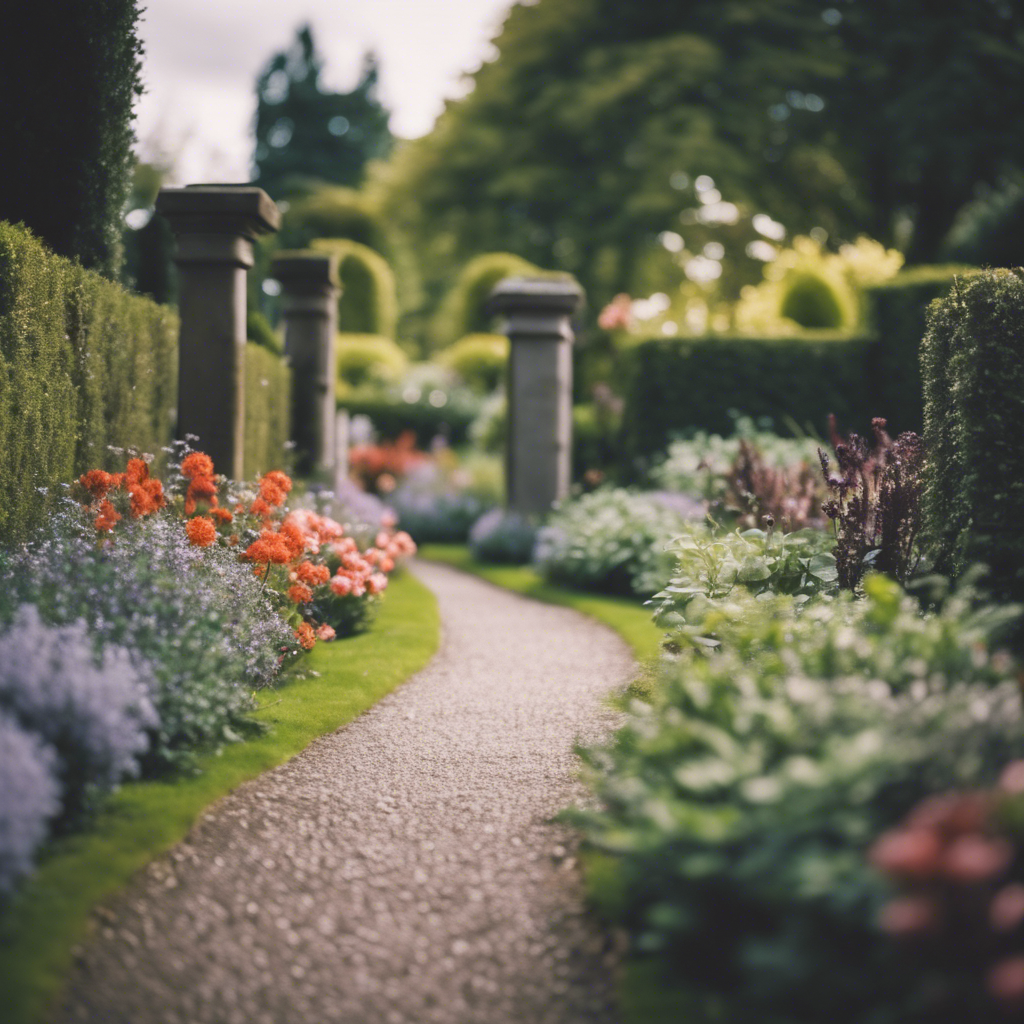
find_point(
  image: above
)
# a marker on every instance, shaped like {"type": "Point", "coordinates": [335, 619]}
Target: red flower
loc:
{"type": "Point", "coordinates": [300, 593]}
{"type": "Point", "coordinates": [196, 464]}
{"type": "Point", "coordinates": [201, 531]}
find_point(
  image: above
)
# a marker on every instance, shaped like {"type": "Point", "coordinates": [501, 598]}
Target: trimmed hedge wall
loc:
{"type": "Point", "coordinates": [973, 365]}
{"type": "Point", "coordinates": [368, 303]}
{"type": "Point", "coordinates": [268, 389]}
{"type": "Point", "coordinates": [83, 365]}
{"type": "Point", "coordinates": [679, 384]}
{"type": "Point", "coordinates": [391, 419]}
{"type": "Point", "coordinates": [897, 311]}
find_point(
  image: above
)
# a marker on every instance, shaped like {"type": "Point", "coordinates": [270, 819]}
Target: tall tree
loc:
{"type": "Point", "coordinates": [70, 73]}
{"type": "Point", "coordinates": [304, 133]}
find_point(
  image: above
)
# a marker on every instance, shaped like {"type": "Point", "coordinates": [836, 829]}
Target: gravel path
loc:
{"type": "Point", "coordinates": [401, 870]}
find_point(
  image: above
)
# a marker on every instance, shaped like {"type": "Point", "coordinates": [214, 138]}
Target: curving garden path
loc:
{"type": "Point", "coordinates": [402, 870]}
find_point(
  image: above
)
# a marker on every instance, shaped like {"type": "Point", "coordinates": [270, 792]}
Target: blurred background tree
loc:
{"type": "Point", "coordinates": [305, 134]}
{"type": "Point", "coordinates": [635, 145]}
{"type": "Point", "coordinates": [70, 73]}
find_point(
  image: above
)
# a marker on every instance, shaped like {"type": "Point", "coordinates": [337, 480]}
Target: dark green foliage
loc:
{"type": "Point", "coordinates": [368, 303]}
{"type": "Point", "coordinates": [70, 72]}
{"type": "Point", "coordinates": [392, 417]}
{"type": "Point", "coordinates": [694, 383]}
{"type": "Point", "coordinates": [479, 359]}
{"type": "Point", "coordinates": [896, 311]}
{"type": "Point", "coordinates": [83, 366]}
{"type": "Point", "coordinates": [259, 332]}
{"type": "Point", "coordinates": [811, 302]}
{"type": "Point", "coordinates": [268, 388]}
{"type": "Point", "coordinates": [303, 132]}
{"type": "Point", "coordinates": [462, 311]}
{"type": "Point", "coordinates": [989, 230]}
{"type": "Point", "coordinates": [973, 367]}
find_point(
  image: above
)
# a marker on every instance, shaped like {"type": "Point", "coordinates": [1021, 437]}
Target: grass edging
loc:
{"type": "Point", "coordinates": [626, 616]}
{"type": "Point", "coordinates": [50, 914]}
{"type": "Point", "coordinates": [642, 996]}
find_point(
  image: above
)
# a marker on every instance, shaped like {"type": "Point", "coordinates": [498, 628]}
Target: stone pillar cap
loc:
{"type": "Point", "coordinates": [304, 267]}
{"type": "Point", "coordinates": [244, 210]}
{"type": "Point", "coordinates": [560, 296]}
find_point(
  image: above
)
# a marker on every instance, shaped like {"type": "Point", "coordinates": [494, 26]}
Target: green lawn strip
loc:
{"type": "Point", "coordinates": [644, 996]}
{"type": "Point", "coordinates": [627, 616]}
{"type": "Point", "coordinates": [144, 819]}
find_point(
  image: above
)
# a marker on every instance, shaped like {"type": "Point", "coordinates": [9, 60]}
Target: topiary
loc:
{"type": "Point", "coordinates": [462, 312]}
{"type": "Point", "coordinates": [812, 301]}
{"type": "Point", "coordinates": [366, 359]}
{"type": "Point", "coordinates": [368, 303]}
{"type": "Point", "coordinates": [479, 359]}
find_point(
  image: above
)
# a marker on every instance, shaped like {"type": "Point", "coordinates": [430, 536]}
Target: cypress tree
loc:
{"type": "Point", "coordinates": [70, 73]}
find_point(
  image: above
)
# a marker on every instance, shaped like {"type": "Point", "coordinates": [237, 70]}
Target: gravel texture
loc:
{"type": "Point", "coordinates": [402, 870]}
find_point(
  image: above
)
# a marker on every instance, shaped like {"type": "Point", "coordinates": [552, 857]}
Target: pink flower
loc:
{"type": "Point", "coordinates": [377, 583]}
{"type": "Point", "coordinates": [1006, 980]}
{"type": "Point", "coordinates": [908, 915]}
{"type": "Point", "coordinates": [325, 632]}
{"type": "Point", "coordinates": [341, 585]}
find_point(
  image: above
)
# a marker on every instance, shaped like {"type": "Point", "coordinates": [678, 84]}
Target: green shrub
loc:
{"type": "Point", "coordinates": [366, 359]}
{"type": "Point", "coordinates": [503, 536]}
{"type": "Point", "coordinates": [259, 332]}
{"type": "Point", "coordinates": [83, 366]}
{"type": "Point", "coordinates": [812, 302]}
{"type": "Point", "coordinates": [973, 367]}
{"type": "Point", "coordinates": [678, 384]}
{"type": "Point", "coordinates": [462, 310]}
{"type": "Point", "coordinates": [740, 804]}
{"type": "Point", "coordinates": [368, 303]}
{"type": "Point", "coordinates": [609, 540]}
{"type": "Point", "coordinates": [897, 310]}
{"type": "Point", "coordinates": [479, 359]}
{"type": "Point", "coordinates": [268, 388]}
{"type": "Point", "coordinates": [76, 70]}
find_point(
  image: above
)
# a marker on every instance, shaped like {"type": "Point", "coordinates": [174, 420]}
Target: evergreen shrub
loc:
{"type": "Point", "coordinates": [973, 367]}
{"type": "Point", "coordinates": [679, 384]}
{"type": "Point", "coordinates": [84, 365]}
{"type": "Point", "coordinates": [268, 388]}
{"type": "Point", "coordinates": [463, 310]}
{"type": "Point", "coordinates": [897, 309]}
{"type": "Point", "coordinates": [76, 71]}
{"type": "Point", "coordinates": [479, 359]}
{"type": "Point", "coordinates": [368, 303]}
{"type": "Point", "coordinates": [366, 359]}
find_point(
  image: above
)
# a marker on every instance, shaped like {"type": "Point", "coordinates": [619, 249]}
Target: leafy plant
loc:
{"type": "Point", "coordinates": [711, 563]}
{"type": "Point", "coordinates": [740, 803]}
{"type": "Point", "coordinates": [611, 539]}
{"type": "Point", "coordinates": [787, 497]}
{"type": "Point", "coordinates": [875, 506]}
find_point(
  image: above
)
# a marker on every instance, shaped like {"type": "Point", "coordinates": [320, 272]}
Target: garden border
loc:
{"type": "Point", "coordinates": [51, 913]}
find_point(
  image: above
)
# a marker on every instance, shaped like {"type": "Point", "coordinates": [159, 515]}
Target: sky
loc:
{"type": "Point", "coordinates": [202, 57]}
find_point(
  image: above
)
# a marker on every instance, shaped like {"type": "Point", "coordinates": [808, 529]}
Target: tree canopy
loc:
{"type": "Point", "coordinates": [304, 133]}
{"type": "Point", "coordinates": [616, 141]}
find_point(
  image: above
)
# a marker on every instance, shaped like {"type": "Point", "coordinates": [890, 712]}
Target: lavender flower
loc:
{"type": "Point", "coordinates": [30, 797]}
{"type": "Point", "coordinates": [93, 709]}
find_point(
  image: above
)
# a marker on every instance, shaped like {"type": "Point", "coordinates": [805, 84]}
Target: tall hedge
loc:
{"type": "Point", "coordinates": [83, 366]}
{"type": "Point", "coordinates": [897, 312]}
{"type": "Point", "coordinates": [368, 303]}
{"type": "Point", "coordinates": [676, 384]}
{"type": "Point", "coordinates": [973, 367]}
{"type": "Point", "coordinates": [268, 388]}
{"type": "Point", "coordinates": [70, 73]}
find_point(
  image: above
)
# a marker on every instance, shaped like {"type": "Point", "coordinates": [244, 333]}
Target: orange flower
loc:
{"type": "Point", "coordinates": [222, 515]}
{"type": "Point", "coordinates": [279, 479]}
{"type": "Point", "coordinates": [108, 516]}
{"type": "Point", "coordinates": [97, 482]}
{"type": "Point", "coordinates": [196, 464]}
{"type": "Point", "coordinates": [270, 547]}
{"type": "Point", "coordinates": [201, 531]}
{"type": "Point", "coordinates": [260, 508]}
{"type": "Point", "coordinates": [312, 574]}
{"type": "Point", "coordinates": [233, 541]}
{"type": "Point", "coordinates": [300, 593]}
{"type": "Point", "coordinates": [306, 635]}
{"type": "Point", "coordinates": [294, 538]}
{"type": "Point", "coordinates": [137, 471]}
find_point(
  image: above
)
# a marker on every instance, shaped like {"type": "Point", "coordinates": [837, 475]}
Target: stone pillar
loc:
{"type": "Point", "coordinates": [309, 303]}
{"type": "Point", "coordinates": [214, 226]}
{"type": "Point", "coordinates": [539, 446]}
